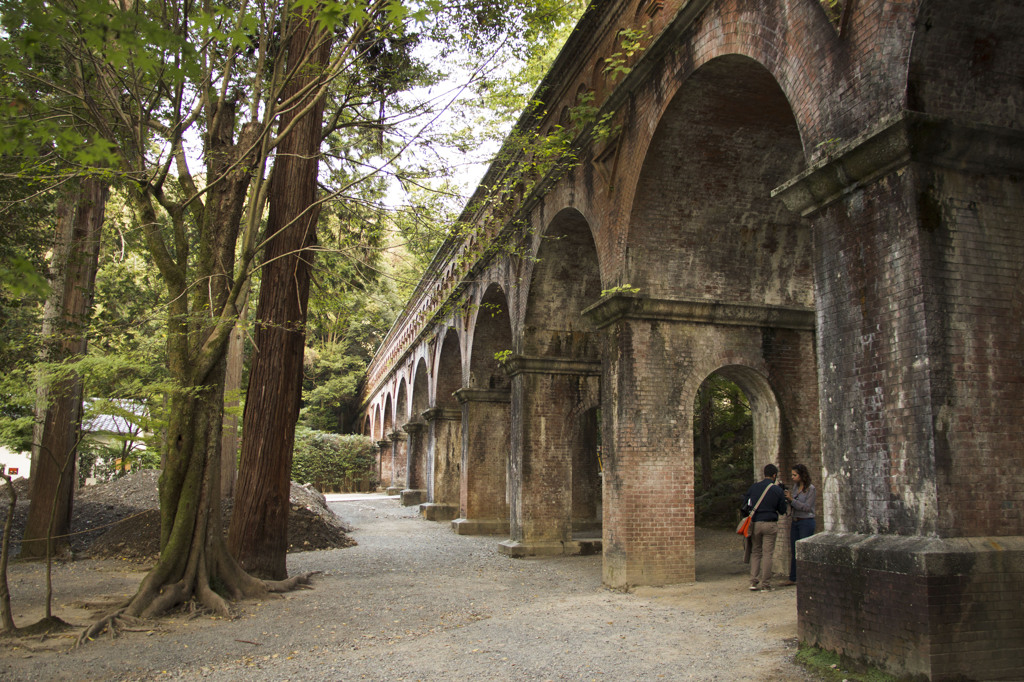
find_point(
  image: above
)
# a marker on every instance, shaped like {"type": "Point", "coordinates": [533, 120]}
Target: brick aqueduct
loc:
{"type": "Point", "coordinates": [821, 200]}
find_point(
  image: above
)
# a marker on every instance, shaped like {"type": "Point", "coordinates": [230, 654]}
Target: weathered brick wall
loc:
{"type": "Point", "coordinates": [445, 448]}
{"type": "Point", "coordinates": [967, 61]}
{"type": "Point", "coordinates": [550, 444]}
{"type": "Point", "coordinates": [483, 501]}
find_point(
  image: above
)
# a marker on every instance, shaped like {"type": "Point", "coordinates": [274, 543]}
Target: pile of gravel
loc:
{"type": "Point", "coordinates": [121, 519]}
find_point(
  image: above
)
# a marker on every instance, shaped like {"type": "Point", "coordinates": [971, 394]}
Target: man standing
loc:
{"type": "Point", "coordinates": [765, 526]}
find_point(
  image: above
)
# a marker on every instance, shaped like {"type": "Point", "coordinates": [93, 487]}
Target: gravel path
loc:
{"type": "Point", "coordinates": [414, 601]}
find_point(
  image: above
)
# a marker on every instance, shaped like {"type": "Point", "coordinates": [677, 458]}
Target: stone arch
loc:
{"type": "Point", "coordinates": [448, 370]}
{"type": "Point", "coordinates": [765, 414]}
{"type": "Point", "coordinates": [416, 438]}
{"type": "Point", "coordinates": [387, 424]}
{"type": "Point", "coordinates": [555, 486]}
{"type": "Point", "coordinates": [564, 280]}
{"type": "Point", "coordinates": [492, 334]}
{"type": "Point", "coordinates": [703, 226]}
{"type": "Point", "coordinates": [764, 411]}
{"type": "Point", "coordinates": [399, 438]}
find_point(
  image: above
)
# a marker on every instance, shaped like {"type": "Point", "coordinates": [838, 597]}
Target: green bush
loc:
{"type": "Point", "coordinates": [329, 460]}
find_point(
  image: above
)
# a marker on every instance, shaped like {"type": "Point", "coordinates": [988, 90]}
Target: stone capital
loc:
{"type": "Point", "coordinates": [483, 395]}
{"type": "Point", "coordinates": [382, 444]}
{"type": "Point", "coordinates": [612, 308]}
{"type": "Point", "coordinates": [413, 427]}
{"type": "Point", "coordinates": [442, 413]}
{"type": "Point", "coordinates": [397, 436]}
{"type": "Point", "coordinates": [906, 138]}
{"type": "Point", "coordinates": [524, 364]}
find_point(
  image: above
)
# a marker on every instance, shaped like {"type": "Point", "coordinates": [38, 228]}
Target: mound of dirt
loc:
{"type": "Point", "coordinates": [121, 519]}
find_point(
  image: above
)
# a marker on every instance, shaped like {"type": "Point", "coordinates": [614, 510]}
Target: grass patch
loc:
{"type": "Point", "coordinates": [836, 668]}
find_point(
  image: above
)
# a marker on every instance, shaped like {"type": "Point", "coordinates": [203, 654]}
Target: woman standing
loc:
{"type": "Point", "coordinates": [801, 497]}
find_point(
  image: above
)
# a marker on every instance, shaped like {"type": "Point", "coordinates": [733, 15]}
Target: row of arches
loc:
{"type": "Point", "coordinates": [556, 407]}
{"type": "Point", "coordinates": [873, 300]}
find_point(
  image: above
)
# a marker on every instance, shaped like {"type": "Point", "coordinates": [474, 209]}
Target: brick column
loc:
{"type": "Point", "coordinates": [483, 504]}
{"type": "Point", "coordinates": [384, 463]}
{"type": "Point", "coordinates": [416, 455]}
{"type": "Point", "coordinates": [551, 447]}
{"type": "Point", "coordinates": [399, 442]}
{"type": "Point", "coordinates": [918, 277]}
{"type": "Point", "coordinates": [444, 458]}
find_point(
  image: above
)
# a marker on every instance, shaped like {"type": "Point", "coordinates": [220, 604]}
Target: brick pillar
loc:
{"type": "Point", "coordinates": [919, 301]}
{"type": "Point", "coordinates": [399, 443]}
{"type": "Point", "coordinates": [415, 491]}
{"type": "Point", "coordinates": [384, 463]}
{"type": "Point", "coordinates": [551, 443]}
{"type": "Point", "coordinates": [483, 505]}
{"type": "Point", "coordinates": [648, 529]}
{"type": "Point", "coordinates": [444, 458]}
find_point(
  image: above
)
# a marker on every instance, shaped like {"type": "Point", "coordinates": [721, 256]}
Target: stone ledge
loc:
{"type": "Point", "coordinates": [432, 511]}
{"type": "Point", "coordinates": [614, 307]}
{"type": "Point", "coordinates": [527, 364]}
{"type": "Point", "coordinates": [915, 555]}
{"type": "Point", "coordinates": [581, 546]}
{"type": "Point", "coordinates": [480, 526]}
{"type": "Point", "coordinates": [483, 395]}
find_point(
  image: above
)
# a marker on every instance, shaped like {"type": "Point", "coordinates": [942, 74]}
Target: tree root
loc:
{"type": "Point", "coordinates": [114, 623]}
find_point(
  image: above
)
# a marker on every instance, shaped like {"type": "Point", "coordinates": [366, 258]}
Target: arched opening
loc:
{"type": "Point", "coordinates": [400, 440]}
{"type": "Point", "coordinates": [415, 428]}
{"type": "Point", "coordinates": [723, 446]}
{"type": "Point", "coordinates": [704, 226]}
{"type": "Point", "coordinates": [444, 433]}
{"type": "Point", "coordinates": [385, 463]}
{"type": "Point", "coordinates": [736, 432]}
{"type": "Point", "coordinates": [492, 335]}
{"type": "Point", "coordinates": [555, 482]}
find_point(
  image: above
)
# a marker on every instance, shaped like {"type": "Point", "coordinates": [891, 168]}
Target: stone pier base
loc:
{"type": "Point", "coordinates": [412, 498]}
{"type": "Point", "coordinates": [480, 526]}
{"type": "Point", "coordinates": [942, 608]}
{"type": "Point", "coordinates": [432, 511]}
{"type": "Point", "coordinates": [584, 546]}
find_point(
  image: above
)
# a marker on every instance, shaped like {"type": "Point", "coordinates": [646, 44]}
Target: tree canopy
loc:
{"type": "Point", "coordinates": [181, 110]}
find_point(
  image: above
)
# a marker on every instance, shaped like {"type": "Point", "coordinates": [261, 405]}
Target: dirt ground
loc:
{"type": "Point", "coordinates": [413, 601]}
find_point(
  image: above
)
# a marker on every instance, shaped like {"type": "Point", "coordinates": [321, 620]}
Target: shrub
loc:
{"type": "Point", "coordinates": [329, 460]}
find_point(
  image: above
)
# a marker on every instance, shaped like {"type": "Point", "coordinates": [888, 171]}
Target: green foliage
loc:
{"type": "Point", "coordinates": [621, 289]}
{"type": "Point", "coordinates": [732, 451]}
{"type": "Point", "coordinates": [329, 460]}
{"type": "Point", "coordinates": [630, 43]}
{"type": "Point", "coordinates": [833, 667]}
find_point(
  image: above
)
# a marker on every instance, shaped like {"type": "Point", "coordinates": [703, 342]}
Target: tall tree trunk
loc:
{"type": "Point", "coordinates": [258, 535]}
{"type": "Point", "coordinates": [194, 558]}
{"type": "Point", "coordinates": [80, 217]}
